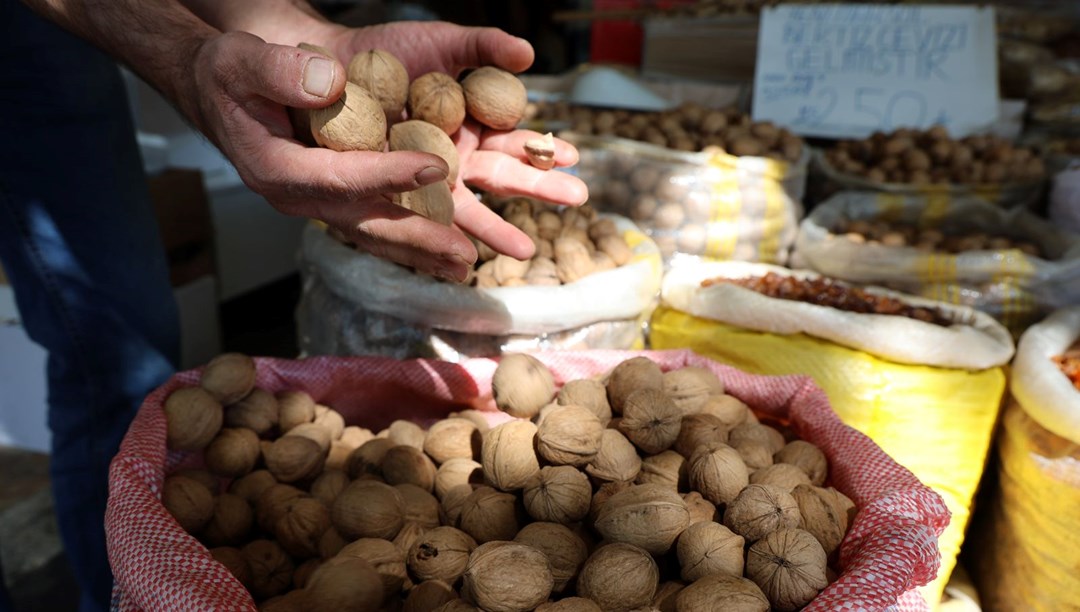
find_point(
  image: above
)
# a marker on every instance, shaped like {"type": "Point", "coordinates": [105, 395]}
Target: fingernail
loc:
{"type": "Point", "coordinates": [451, 270]}
{"type": "Point", "coordinates": [318, 76]}
{"type": "Point", "coordinates": [431, 174]}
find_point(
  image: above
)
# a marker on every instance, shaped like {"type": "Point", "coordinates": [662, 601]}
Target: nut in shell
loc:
{"type": "Point", "coordinates": [558, 494]}
{"type": "Point", "coordinates": [565, 550]}
{"type": "Point", "coordinates": [368, 509]}
{"type": "Point", "coordinates": [783, 475]}
{"type": "Point", "coordinates": [509, 456]}
{"type": "Point", "coordinates": [231, 522]}
{"type": "Point", "coordinates": [387, 559]}
{"type": "Point", "coordinates": [758, 510]}
{"type": "Point", "coordinates": [433, 201]}
{"type": "Point", "coordinates": [366, 460]}
{"type": "Point", "coordinates": [569, 435]}
{"type": "Point", "coordinates": [630, 375]}
{"type": "Point", "coordinates": [488, 515]}
{"type": "Point", "coordinates": [294, 458]}
{"type": "Point", "coordinates": [807, 457]}
{"type": "Point", "coordinates": [821, 516]}
{"type": "Point", "coordinates": [406, 464]}
{"type": "Point", "coordinates": [344, 583]}
{"type": "Point", "coordinates": [650, 420]}
{"type": "Point", "coordinates": [441, 553]}
{"type": "Point", "coordinates": [437, 98]}
{"type": "Point", "coordinates": [722, 592]}
{"type": "Point", "coordinates": [709, 548]}
{"type": "Point", "coordinates": [301, 525]}
{"type": "Point", "coordinates": [355, 122]}
{"type": "Point", "coordinates": [271, 568]}
{"type": "Point", "coordinates": [789, 566]}
{"type": "Point", "coordinates": [699, 431]}
{"type": "Point", "coordinates": [416, 135]}
{"type": "Point", "coordinates": [190, 503]}
{"type": "Point", "coordinates": [718, 473]}
{"type": "Point", "coordinates": [507, 577]}
{"type": "Point", "coordinates": [586, 393]}
{"type": "Point", "coordinates": [457, 471]}
{"type": "Point", "coordinates": [572, 259]}
{"type": "Point", "coordinates": [192, 418]}
{"type": "Point", "coordinates": [701, 509]}
{"type": "Point", "coordinates": [619, 576]}
{"type": "Point", "coordinates": [616, 461]}
{"type": "Point", "coordinates": [521, 385]}
{"type": "Point", "coordinates": [229, 377]}
{"type": "Point", "coordinates": [690, 386]}
{"type": "Point", "coordinates": [453, 438]}
{"type": "Point", "coordinates": [257, 412]}
{"type": "Point", "coordinates": [666, 468]}
{"type": "Point", "coordinates": [294, 408]}
{"type": "Point", "coordinates": [383, 74]}
{"type": "Point", "coordinates": [650, 516]}
{"type": "Point", "coordinates": [494, 97]}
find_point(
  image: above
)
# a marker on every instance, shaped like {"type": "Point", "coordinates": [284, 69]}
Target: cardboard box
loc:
{"type": "Point", "coordinates": [183, 212]}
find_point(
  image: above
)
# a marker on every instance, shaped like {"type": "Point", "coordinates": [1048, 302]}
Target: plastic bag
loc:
{"type": "Point", "coordinates": [709, 204]}
{"type": "Point", "coordinates": [890, 549]}
{"type": "Point", "coordinates": [354, 303]}
{"type": "Point", "coordinates": [1015, 288]}
{"type": "Point", "coordinates": [935, 414]}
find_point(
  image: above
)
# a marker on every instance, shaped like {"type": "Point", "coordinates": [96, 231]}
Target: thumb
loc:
{"type": "Point", "coordinates": [300, 77]}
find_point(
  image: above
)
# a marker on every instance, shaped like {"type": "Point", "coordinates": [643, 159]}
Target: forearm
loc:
{"type": "Point", "coordinates": [157, 39]}
{"type": "Point", "coordinates": [283, 22]}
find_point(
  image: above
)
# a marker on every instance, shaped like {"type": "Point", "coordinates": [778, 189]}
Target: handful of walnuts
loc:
{"type": "Point", "coordinates": [642, 488]}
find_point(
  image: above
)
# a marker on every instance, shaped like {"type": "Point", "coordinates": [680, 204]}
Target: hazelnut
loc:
{"type": "Point", "coordinates": [558, 494]}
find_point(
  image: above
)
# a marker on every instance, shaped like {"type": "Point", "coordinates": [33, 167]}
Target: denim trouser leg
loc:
{"type": "Point", "coordinates": [80, 244]}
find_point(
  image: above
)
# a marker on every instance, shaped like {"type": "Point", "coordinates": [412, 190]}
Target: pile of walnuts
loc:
{"type": "Point", "coordinates": [688, 127]}
{"type": "Point", "coordinates": [924, 157]}
{"type": "Point", "coordinates": [571, 243]}
{"type": "Point", "coordinates": [642, 489]}
{"type": "Point", "coordinates": [929, 239]}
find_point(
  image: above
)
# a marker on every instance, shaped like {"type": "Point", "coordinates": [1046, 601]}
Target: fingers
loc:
{"type": "Point", "coordinates": [247, 67]}
{"type": "Point", "coordinates": [467, 47]}
{"type": "Point", "coordinates": [476, 218]}
{"type": "Point", "coordinates": [505, 175]}
{"type": "Point", "coordinates": [389, 231]}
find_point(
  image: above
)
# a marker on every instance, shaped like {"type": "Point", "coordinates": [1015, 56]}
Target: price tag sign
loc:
{"type": "Point", "coordinates": [844, 71]}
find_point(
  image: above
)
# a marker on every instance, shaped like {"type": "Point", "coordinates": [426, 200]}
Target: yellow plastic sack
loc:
{"type": "Point", "coordinates": [938, 422]}
{"type": "Point", "coordinates": [1029, 552]}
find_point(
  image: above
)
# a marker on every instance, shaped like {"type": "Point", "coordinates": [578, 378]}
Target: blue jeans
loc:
{"type": "Point", "coordinates": [80, 244]}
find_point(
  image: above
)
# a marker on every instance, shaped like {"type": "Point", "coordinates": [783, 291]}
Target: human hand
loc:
{"type": "Point", "coordinates": [244, 85]}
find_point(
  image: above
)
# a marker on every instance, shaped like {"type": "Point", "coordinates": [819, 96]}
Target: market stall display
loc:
{"type": "Point", "coordinates": [1026, 547]}
{"type": "Point", "coordinates": [390, 483]}
{"type": "Point", "coordinates": [1010, 264]}
{"type": "Point", "coordinates": [921, 378]}
{"type": "Point", "coordinates": [353, 303]}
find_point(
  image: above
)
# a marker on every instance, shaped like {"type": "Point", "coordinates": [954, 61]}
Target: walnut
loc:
{"type": "Point", "coordinates": [756, 455]}
{"type": "Point", "coordinates": [569, 435]}
{"type": "Point", "coordinates": [407, 433]}
{"type": "Point", "coordinates": [617, 459]}
{"type": "Point", "coordinates": [564, 549]}
{"type": "Point", "coordinates": [789, 566]}
{"type": "Point", "coordinates": [204, 477]}
{"type": "Point", "coordinates": [508, 455]}
{"type": "Point", "coordinates": [650, 420]}
{"type": "Point", "coordinates": [807, 457]}
{"type": "Point", "coordinates": [521, 385]}
{"type": "Point", "coordinates": [330, 543]}
{"type": "Point", "coordinates": [784, 475]}
{"type": "Point", "coordinates": [765, 434]}
{"type": "Point", "coordinates": [603, 494]}
{"type": "Point", "coordinates": [387, 559]}
{"type": "Point", "coordinates": [368, 457]}
{"type": "Point", "coordinates": [570, 604]}
{"type": "Point", "coordinates": [235, 562]}
{"type": "Point", "coordinates": [629, 376]}
{"type": "Point", "coordinates": [192, 418]}
{"type": "Point", "coordinates": [437, 98]}
{"type": "Point", "coordinates": [300, 526]}
{"type": "Point", "coordinates": [690, 386]}
{"type": "Point", "coordinates": [229, 377]}
{"type": "Point", "coordinates": [231, 522]}
{"type": "Point", "coordinates": [314, 432]}
{"type": "Point", "coordinates": [457, 605]}
{"type": "Point", "coordinates": [294, 408]}
{"type": "Point", "coordinates": [476, 417]}
{"type": "Point", "coordinates": [650, 516]}
{"type": "Point", "coordinates": [709, 548]}
{"type": "Point", "coordinates": [718, 473]}
{"type": "Point", "coordinates": [420, 505]}
{"type": "Point", "coordinates": [368, 509]}
{"type": "Point", "coordinates": [407, 464]}
{"type": "Point", "coordinates": [619, 576]}
{"type": "Point", "coordinates": [731, 411]}
{"type": "Point", "coordinates": [589, 394]}
{"type": "Point", "coordinates": [428, 595]}
{"type": "Point", "coordinates": [666, 594]}
{"type": "Point", "coordinates": [488, 514]}
{"type": "Point", "coordinates": [409, 534]}
{"type": "Point", "coordinates": [722, 592]}
{"type": "Point", "coordinates": [258, 412]}
{"type": "Point", "coordinates": [507, 577]}
{"type": "Point", "coordinates": [452, 503]}
{"type": "Point", "coordinates": [699, 431]}
{"type": "Point", "coordinates": [457, 471]}
{"type": "Point", "coordinates": [233, 452]}
{"type": "Point", "coordinates": [304, 571]}
{"type": "Point", "coordinates": [761, 509]}
{"type": "Point", "coordinates": [338, 456]}
{"type": "Point", "coordinates": [615, 247]}
{"type": "Point", "coordinates": [572, 259]}
{"type": "Point", "coordinates": [344, 583]}
{"type": "Point", "coordinates": [441, 554]}
{"type": "Point", "coordinates": [559, 494]}
{"type": "Point", "coordinates": [667, 468]}
{"type": "Point", "coordinates": [294, 458]}
{"type": "Point", "coordinates": [452, 438]}
{"type": "Point", "coordinates": [271, 504]}
{"type": "Point", "coordinates": [190, 503]}
{"type": "Point", "coordinates": [271, 568]}
{"type": "Point", "coordinates": [328, 485]}
{"type": "Point", "coordinates": [700, 508]}
{"type": "Point", "coordinates": [821, 516]}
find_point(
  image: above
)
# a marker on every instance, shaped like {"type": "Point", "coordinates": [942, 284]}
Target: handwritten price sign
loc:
{"type": "Point", "coordinates": [844, 71]}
